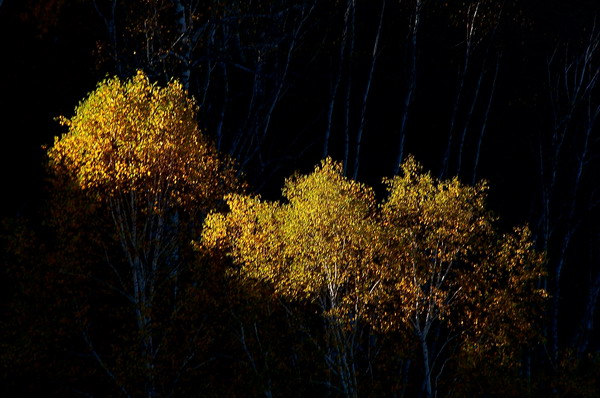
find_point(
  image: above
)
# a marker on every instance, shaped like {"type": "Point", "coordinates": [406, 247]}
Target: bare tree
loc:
{"type": "Point", "coordinates": [564, 157]}
{"type": "Point", "coordinates": [346, 30]}
{"type": "Point", "coordinates": [486, 116]}
{"type": "Point", "coordinates": [411, 81]}
{"type": "Point", "coordinates": [363, 110]}
{"type": "Point", "coordinates": [481, 21]}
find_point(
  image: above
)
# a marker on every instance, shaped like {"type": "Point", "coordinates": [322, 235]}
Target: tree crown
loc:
{"type": "Point", "coordinates": [134, 135]}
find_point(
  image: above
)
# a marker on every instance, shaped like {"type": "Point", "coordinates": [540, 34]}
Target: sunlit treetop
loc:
{"type": "Point", "coordinates": [421, 207]}
{"type": "Point", "coordinates": [312, 246]}
{"type": "Point", "coordinates": [432, 231]}
{"type": "Point", "coordinates": [445, 261]}
{"type": "Point", "coordinates": [330, 230]}
{"type": "Point", "coordinates": [428, 255]}
{"type": "Point", "coordinates": [134, 135]}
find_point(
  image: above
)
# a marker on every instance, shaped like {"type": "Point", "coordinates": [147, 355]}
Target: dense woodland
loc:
{"type": "Point", "coordinates": [300, 198]}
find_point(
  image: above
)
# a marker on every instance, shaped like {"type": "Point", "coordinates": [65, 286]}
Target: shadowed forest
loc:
{"type": "Point", "coordinates": [393, 198]}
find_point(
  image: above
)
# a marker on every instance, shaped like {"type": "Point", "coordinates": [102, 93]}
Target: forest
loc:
{"type": "Point", "coordinates": [336, 198]}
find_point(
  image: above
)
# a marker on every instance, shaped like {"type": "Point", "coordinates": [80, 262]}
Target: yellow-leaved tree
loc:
{"type": "Point", "coordinates": [426, 264]}
{"type": "Point", "coordinates": [448, 276]}
{"type": "Point", "coordinates": [134, 157]}
{"type": "Point", "coordinates": [316, 246]}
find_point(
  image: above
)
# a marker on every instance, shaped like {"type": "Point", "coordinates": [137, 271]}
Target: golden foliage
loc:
{"type": "Point", "coordinates": [316, 246]}
{"type": "Point", "coordinates": [135, 136]}
{"type": "Point", "coordinates": [429, 228]}
{"type": "Point", "coordinates": [428, 255]}
{"type": "Point", "coordinates": [502, 301]}
{"type": "Point", "coordinates": [132, 179]}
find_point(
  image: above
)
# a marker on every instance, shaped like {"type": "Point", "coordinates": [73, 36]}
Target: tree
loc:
{"type": "Point", "coordinates": [134, 154]}
{"type": "Point", "coordinates": [567, 158]}
{"type": "Point", "coordinates": [316, 247]}
{"type": "Point", "coordinates": [428, 262]}
{"type": "Point", "coordinates": [446, 275]}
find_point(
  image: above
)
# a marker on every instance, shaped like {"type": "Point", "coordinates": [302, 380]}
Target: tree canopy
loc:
{"type": "Point", "coordinates": [427, 260]}
{"type": "Point", "coordinates": [135, 136]}
{"type": "Point", "coordinates": [133, 178]}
